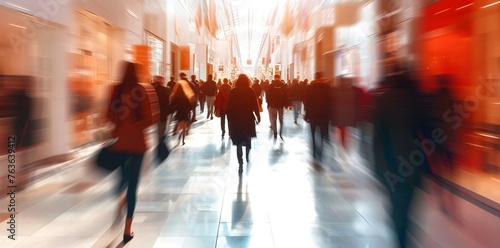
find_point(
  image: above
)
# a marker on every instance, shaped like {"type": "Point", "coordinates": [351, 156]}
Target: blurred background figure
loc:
{"type": "Point", "coordinates": [23, 108]}
{"type": "Point", "coordinates": [202, 97]}
{"type": "Point", "coordinates": [258, 91]}
{"type": "Point", "coordinates": [399, 161]}
{"type": "Point", "coordinates": [345, 106]}
{"type": "Point", "coordinates": [210, 89]}
{"type": "Point", "coordinates": [296, 95]}
{"type": "Point", "coordinates": [277, 101]}
{"type": "Point", "coordinates": [181, 102]}
{"type": "Point", "coordinates": [317, 108]}
{"type": "Point", "coordinates": [196, 90]}
{"type": "Point", "coordinates": [163, 94]}
{"type": "Point", "coordinates": [242, 113]}
{"type": "Point", "coordinates": [221, 104]}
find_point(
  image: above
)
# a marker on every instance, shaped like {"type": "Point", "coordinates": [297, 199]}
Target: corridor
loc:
{"type": "Point", "coordinates": [197, 199]}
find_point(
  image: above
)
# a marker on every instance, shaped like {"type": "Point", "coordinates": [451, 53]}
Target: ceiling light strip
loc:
{"type": "Point", "coordinates": [18, 7]}
{"type": "Point", "coordinates": [491, 4]}
{"type": "Point", "coordinates": [465, 6]}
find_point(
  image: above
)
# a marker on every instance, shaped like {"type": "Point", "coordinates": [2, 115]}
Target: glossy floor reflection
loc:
{"type": "Point", "coordinates": [197, 199]}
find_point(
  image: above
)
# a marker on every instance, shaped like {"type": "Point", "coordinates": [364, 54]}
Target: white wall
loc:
{"type": "Point", "coordinates": [125, 14]}
{"type": "Point", "coordinates": [52, 10]}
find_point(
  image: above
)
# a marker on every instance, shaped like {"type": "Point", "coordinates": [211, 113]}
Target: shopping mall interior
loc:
{"type": "Point", "coordinates": [60, 59]}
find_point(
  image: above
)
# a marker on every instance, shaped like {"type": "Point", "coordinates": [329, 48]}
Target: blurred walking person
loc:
{"type": "Point", "coordinates": [243, 113]}
{"type": "Point", "coordinates": [181, 102]}
{"type": "Point", "coordinates": [220, 104]}
{"type": "Point", "coordinates": [345, 107]}
{"type": "Point", "coordinates": [196, 90]}
{"type": "Point", "coordinates": [399, 161]}
{"type": "Point", "coordinates": [202, 97]}
{"type": "Point", "coordinates": [277, 100]}
{"type": "Point", "coordinates": [210, 89]}
{"type": "Point", "coordinates": [130, 112]}
{"type": "Point", "coordinates": [163, 94]}
{"type": "Point", "coordinates": [296, 95]}
{"type": "Point", "coordinates": [258, 90]}
{"type": "Point", "coordinates": [317, 108]}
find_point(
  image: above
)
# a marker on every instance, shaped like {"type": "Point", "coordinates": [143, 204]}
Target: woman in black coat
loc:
{"type": "Point", "coordinates": [241, 106]}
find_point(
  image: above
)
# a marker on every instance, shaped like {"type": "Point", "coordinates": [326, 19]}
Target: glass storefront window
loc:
{"type": "Point", "coordinates": [156, 54]}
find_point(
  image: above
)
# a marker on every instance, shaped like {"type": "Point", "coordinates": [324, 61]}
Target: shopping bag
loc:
{"type": "Point", "coordinates": [162, 150]}
{"type": "Point", "coordinates": [108, 160]}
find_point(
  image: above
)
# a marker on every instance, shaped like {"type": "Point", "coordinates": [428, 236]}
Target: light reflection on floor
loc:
{"type": "Point", "coordinates": [197, 199]}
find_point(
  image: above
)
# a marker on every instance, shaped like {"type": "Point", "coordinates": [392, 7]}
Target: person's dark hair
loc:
{"type": "Point", "coordinates": [210, 77]}
{"type": "Point", "coordinates": [318, 75]}
{"type": "Point", "coordinates": [129, 80]}
{"type": "Point", "coordinates": [225, 80]}
{"type": "Point", "coordinates": [183, 76]}
{"type": "Point", "coordinates": [242, 81]}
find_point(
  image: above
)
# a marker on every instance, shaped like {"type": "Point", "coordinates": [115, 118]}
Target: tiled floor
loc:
{"type": "Point", "coordinates": [197, 199]}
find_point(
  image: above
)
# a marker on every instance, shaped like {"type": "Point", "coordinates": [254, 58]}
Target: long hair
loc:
{"type": "Point", "coordinates": [242, 81]}
{"type": "Point", "coordinates": [129, 80]}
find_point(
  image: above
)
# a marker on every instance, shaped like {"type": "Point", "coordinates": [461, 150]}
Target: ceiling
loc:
{"type": "Point", "coordinates": [247, 23]}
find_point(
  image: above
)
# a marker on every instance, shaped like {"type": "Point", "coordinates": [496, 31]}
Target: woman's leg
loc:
{"type": "Point", "coordinates": [133, 168]}
{"type": "Point", "coordinates": [248, 147]}
{"type": "Point", "coordinates": [239, 153]}
{"type": "Point", "coordinates": [184, 131]}
{"type": "Point", "coordinates": [223, 122]}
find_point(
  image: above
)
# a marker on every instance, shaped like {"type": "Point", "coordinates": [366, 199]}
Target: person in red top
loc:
{"type": "Point", "coordinates": [130, 112]}
{"type": "Point", "coordinates": [220, 104]}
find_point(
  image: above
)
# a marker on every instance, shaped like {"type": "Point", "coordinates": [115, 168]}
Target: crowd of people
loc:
{"type": "Point", "coordinates": [397, 144]}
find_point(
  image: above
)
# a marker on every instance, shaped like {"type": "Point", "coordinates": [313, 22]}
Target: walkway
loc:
{"type": "Point", "coordinates": [196, 199]}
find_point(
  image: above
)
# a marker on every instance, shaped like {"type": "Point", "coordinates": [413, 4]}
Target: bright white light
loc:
{"type": "Point", "coordinates": [465, 6]}
{"type": "Point", "coordinates": [442, 11]}
{"type": "Point", "coordinates": [131, 13]}
{"type": "Point", "coordinates": [263, 5]}
{"type": "Point", "coordinates": [489, 5]}
{"type": "Point", "coordinates": [18, 7]}
{"type": "Point", "coordinates": [17, 26]}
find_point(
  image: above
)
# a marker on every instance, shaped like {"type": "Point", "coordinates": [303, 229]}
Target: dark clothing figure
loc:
{"type": "Point", "coordinates": [258, 92]}
{"type": "Point", "coordinates": [210, 88]}
{"type": "Point", "coordinates": [202, 97]}
{"type": "Point", "coordinates": [22, 125]}
{"type": "Point", "coordinates": [196, 90]}
{"type": "Point", "coordinates": [171, 84]}
{"type": "Point", "coordinates": [296, 95]}
{"type": "Point", "coordinates": [345, 107]}
{"type": "Point", "coordinates": [163, 94]}
{"type": "Point", "coordinates": [317, 106]}
{"type": "Point", "coordinates": [398, 158]}
{"type": "Point", "coordinates": [181, 100]}
{"type": "Point", "coordinates": [220, 104]}
{"type": "Point", "coordinates": [277, 100]}
{"type": "Point", "coordinates": [265, 86]}
{"type": "Point", "coordinates": [241, 111]}
{"type": "Point", "coordinates": [180, 103]}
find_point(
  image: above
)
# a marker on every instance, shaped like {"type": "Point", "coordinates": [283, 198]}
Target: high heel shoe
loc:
{"type": "Point", "coordinates": [127, 238]}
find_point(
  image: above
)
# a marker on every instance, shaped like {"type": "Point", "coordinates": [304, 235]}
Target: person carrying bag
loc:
{"type": "Point", "coordinates": [132, 108]}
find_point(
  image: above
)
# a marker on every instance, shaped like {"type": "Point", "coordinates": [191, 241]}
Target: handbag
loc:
{"type": "Point", "coordinates": [108, 160]}
{"type": "Point", "coordinates": [162, 150]}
